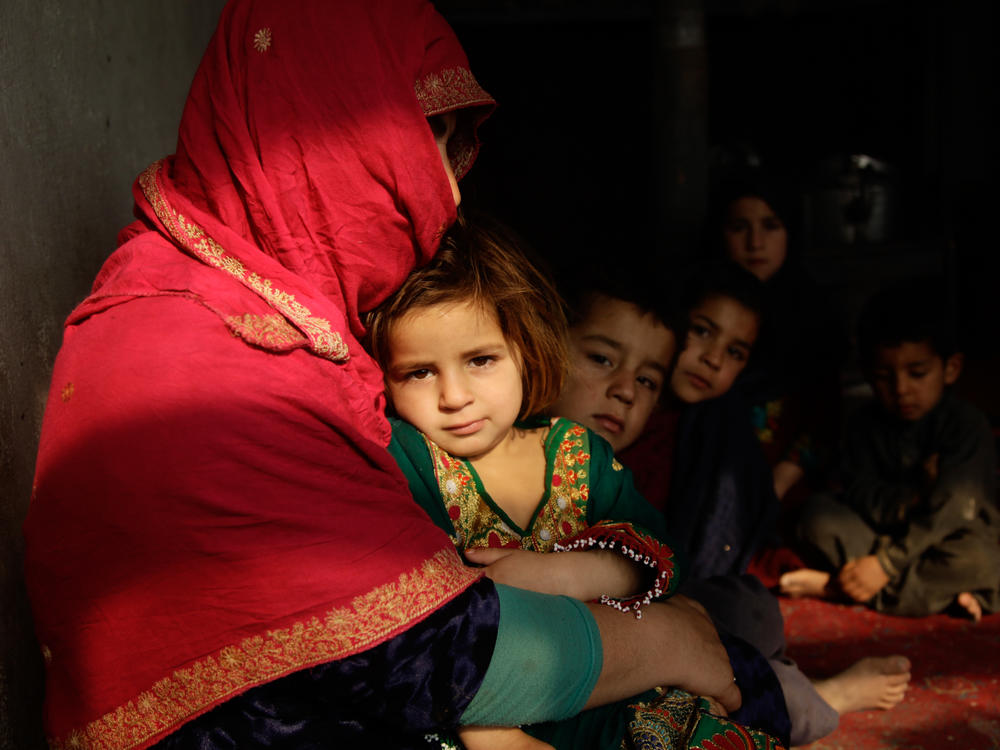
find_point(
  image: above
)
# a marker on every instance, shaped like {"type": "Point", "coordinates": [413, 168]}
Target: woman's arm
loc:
{"type": "Point", "coordinates": [675, 644]}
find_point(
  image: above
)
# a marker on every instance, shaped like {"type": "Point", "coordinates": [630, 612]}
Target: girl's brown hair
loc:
{"type": "Point", "coordinates": [483, 262]}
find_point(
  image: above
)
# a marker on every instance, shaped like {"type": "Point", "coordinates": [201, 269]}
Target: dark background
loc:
{"type": "Point", "coordinates": [614, 117]}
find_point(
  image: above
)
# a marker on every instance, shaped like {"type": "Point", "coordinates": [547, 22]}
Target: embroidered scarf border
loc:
{"type": "Point", "coordinates": [210, 681]}
{"type": "Point", "coordinates": [194, 239]}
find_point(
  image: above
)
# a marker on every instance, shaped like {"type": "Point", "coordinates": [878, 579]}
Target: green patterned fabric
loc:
{"type": "Point", "coordinates": [586, 487]}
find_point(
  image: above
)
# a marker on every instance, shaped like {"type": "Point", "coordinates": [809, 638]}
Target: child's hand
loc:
{"type": "Point", "coordinates": [582, 575]}
{"type": "Point", "coordinates": [861, 579]}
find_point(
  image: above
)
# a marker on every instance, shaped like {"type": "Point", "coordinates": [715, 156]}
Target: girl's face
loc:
{"type": "Point", "coordinates": [720, 336]}
{"type": "Point", "coordinates": [453, 376]}
{"type": "Point", "coordinates": [619, 362]}
{"type": "Point", "coordinates": [443, 126]}
{"type": "Point", "coordinates": [755, 237]}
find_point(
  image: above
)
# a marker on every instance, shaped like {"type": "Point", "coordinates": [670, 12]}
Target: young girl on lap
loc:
{"type": "Point", "coordinates": [472, 347]}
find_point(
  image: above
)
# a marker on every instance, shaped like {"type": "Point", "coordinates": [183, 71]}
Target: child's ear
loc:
{"type": "Point", "coordinates": [953, 367]}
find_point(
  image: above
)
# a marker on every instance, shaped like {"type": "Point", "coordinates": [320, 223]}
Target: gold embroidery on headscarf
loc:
{"type": "Point", "coordinates": [262, 40]}
{"type": "Point", "coordinates": [449, 89]}
{"type": "Point", "coordinates": [266, 331]}
{"type": "Point", "coordinates": [67, 392]}
{"type": "Point", "coordinates": [325, 342]}
{"type": "Point", "coordinates": [259, 659]}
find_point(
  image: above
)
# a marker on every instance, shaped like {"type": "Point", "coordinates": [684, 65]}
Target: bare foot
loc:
{"type": "Point", "coordinates": [872, 682]}
{"type": "Point", "coordinates": [970, 604]}
{"type": "Point", "coordinates": [804, 582]}
{"type": "Point", "coordinates": [499, 738]}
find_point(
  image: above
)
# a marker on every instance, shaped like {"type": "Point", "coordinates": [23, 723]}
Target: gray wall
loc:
{"type": "Point", "coordinates": [90, 93]}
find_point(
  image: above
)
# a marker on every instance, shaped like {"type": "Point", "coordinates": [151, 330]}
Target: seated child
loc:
{"type": "Point", "coordinates": [472, 346]}
{"type": "Point", "coordinates": [713, 484]}
{"type": "Point", "coordinates": [915, 529]}
{"type": "Point", "coordinates": [621, 356]}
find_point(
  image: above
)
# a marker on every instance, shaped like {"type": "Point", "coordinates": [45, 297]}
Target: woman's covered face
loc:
{"type": "Point", "coordinates": [755, 237]}
{"type": "Point", "coordinates": [443, 126]}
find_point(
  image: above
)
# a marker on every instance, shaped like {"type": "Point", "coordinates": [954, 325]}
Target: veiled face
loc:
{"type": "Point", "coordinates": [443, 127]}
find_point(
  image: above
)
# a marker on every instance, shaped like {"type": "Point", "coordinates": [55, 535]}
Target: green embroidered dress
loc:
{"type": "Point", "coordinates": [589, 502]}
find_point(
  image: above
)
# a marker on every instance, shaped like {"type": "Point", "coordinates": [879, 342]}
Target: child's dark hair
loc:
{"type": "Point", "coordinates": [723, 278]}
{"type": "Point", "coordinates": [484, 262]}
{"type": "Point", "coordinates": [635, 281]}
{"type": "Point", "coordinates": [910, 311]}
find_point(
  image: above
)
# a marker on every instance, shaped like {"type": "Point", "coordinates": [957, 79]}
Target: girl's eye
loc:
{"type": "Point", "coordinates": [421, 374]}
{"type": "Point", "coordinates": [917, 374]}
{"type": "Point", "coordinates": [773, 224]}
{"type": "Point", "coordinates": [599, 359]}
{"type": "Point", "coordinates": [737, 225]}
{"type": "Point", "coordinates": [482, 361]}
{"type": "Point", "coordinates": [698, 331]}
{"type": "Point", "coordinates": [738, 354]}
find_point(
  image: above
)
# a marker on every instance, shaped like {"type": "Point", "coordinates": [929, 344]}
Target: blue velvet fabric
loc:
{"type": "Point", "coordinates": [722, 505]}
{"type": "Point", "coordinates": [388, 697]}
{"type": "Point", "coordinates": [764, 705]}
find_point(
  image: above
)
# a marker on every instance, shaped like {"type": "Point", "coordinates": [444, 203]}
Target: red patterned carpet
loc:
{"type": "Point", "coordinates": [954, 699]}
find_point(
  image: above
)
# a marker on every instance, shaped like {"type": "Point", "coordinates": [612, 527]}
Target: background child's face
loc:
{"type": "Point", "coordinates": [755, 237]}
{"type": "Point", "coordinates": [910, 379]}
{"type": "Point", "coordinates": [619, 363]}
{"type": "Point", "coordinates": [453, 376]}
{"type": "Point", "coordinates": [720, 336]}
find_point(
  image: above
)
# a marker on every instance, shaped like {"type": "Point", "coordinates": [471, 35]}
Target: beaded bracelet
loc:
{"type": "Point", "coordinates": [636, 545]}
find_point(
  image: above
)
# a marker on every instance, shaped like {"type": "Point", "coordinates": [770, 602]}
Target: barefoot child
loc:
{"type": "Point", "coordinates": [621, 355]}
{"type": "Point", "coordinates": [915, 530]}
{"type": "Point", "coordinates": [472, 346]}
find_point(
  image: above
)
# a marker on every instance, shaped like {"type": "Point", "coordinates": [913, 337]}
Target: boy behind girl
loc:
{"type": "Point", "coordinates": [628, 381]}
{"type": "Point", "coordinates": [915, 529]}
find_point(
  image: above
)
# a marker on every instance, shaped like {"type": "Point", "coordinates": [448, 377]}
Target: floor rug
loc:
{"type": "Point", "coordinates": [954, 698]}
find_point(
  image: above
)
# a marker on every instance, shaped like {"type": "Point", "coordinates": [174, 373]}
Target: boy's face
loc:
{"type": "Point", "coordinates": [720, 336]}
{"type": "Point", "coordinates": [910, 379]}
{"type": "Point", "coordinates": [619, 361]}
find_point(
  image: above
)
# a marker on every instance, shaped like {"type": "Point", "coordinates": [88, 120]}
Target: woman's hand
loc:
{"type": "Point", "coordinates": [674, 644]}
{"type": "Point", "coordinates": [584, 575]}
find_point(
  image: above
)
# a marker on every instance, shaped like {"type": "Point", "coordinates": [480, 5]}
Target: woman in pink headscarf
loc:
{"type": "Point", "coordinates": [220, 550]}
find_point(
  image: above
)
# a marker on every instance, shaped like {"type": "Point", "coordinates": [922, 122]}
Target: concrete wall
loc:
{"type": "Point", "coordinates": [90, 93]}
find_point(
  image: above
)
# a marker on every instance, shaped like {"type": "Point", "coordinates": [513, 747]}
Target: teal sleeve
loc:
{"type": "Point", "coordinates": [545, 664]}
{"type": "Point", "coordinates": [409, 449]}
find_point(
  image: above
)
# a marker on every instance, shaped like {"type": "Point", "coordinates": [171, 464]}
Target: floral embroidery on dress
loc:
{"type": "Point", "coordinates": [675, 719]}
{"type": "Point", "coordinates": [478, 524]}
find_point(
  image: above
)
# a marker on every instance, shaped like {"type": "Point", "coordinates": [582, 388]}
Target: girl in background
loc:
{"type": "Point", "coordinates": [793, 382]}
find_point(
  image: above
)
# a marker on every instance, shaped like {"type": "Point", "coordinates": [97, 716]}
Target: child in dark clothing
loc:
{"type": "Point", "coordinates": [621, 363]}
{"type": "Point", "coordinates": [915, 529]}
